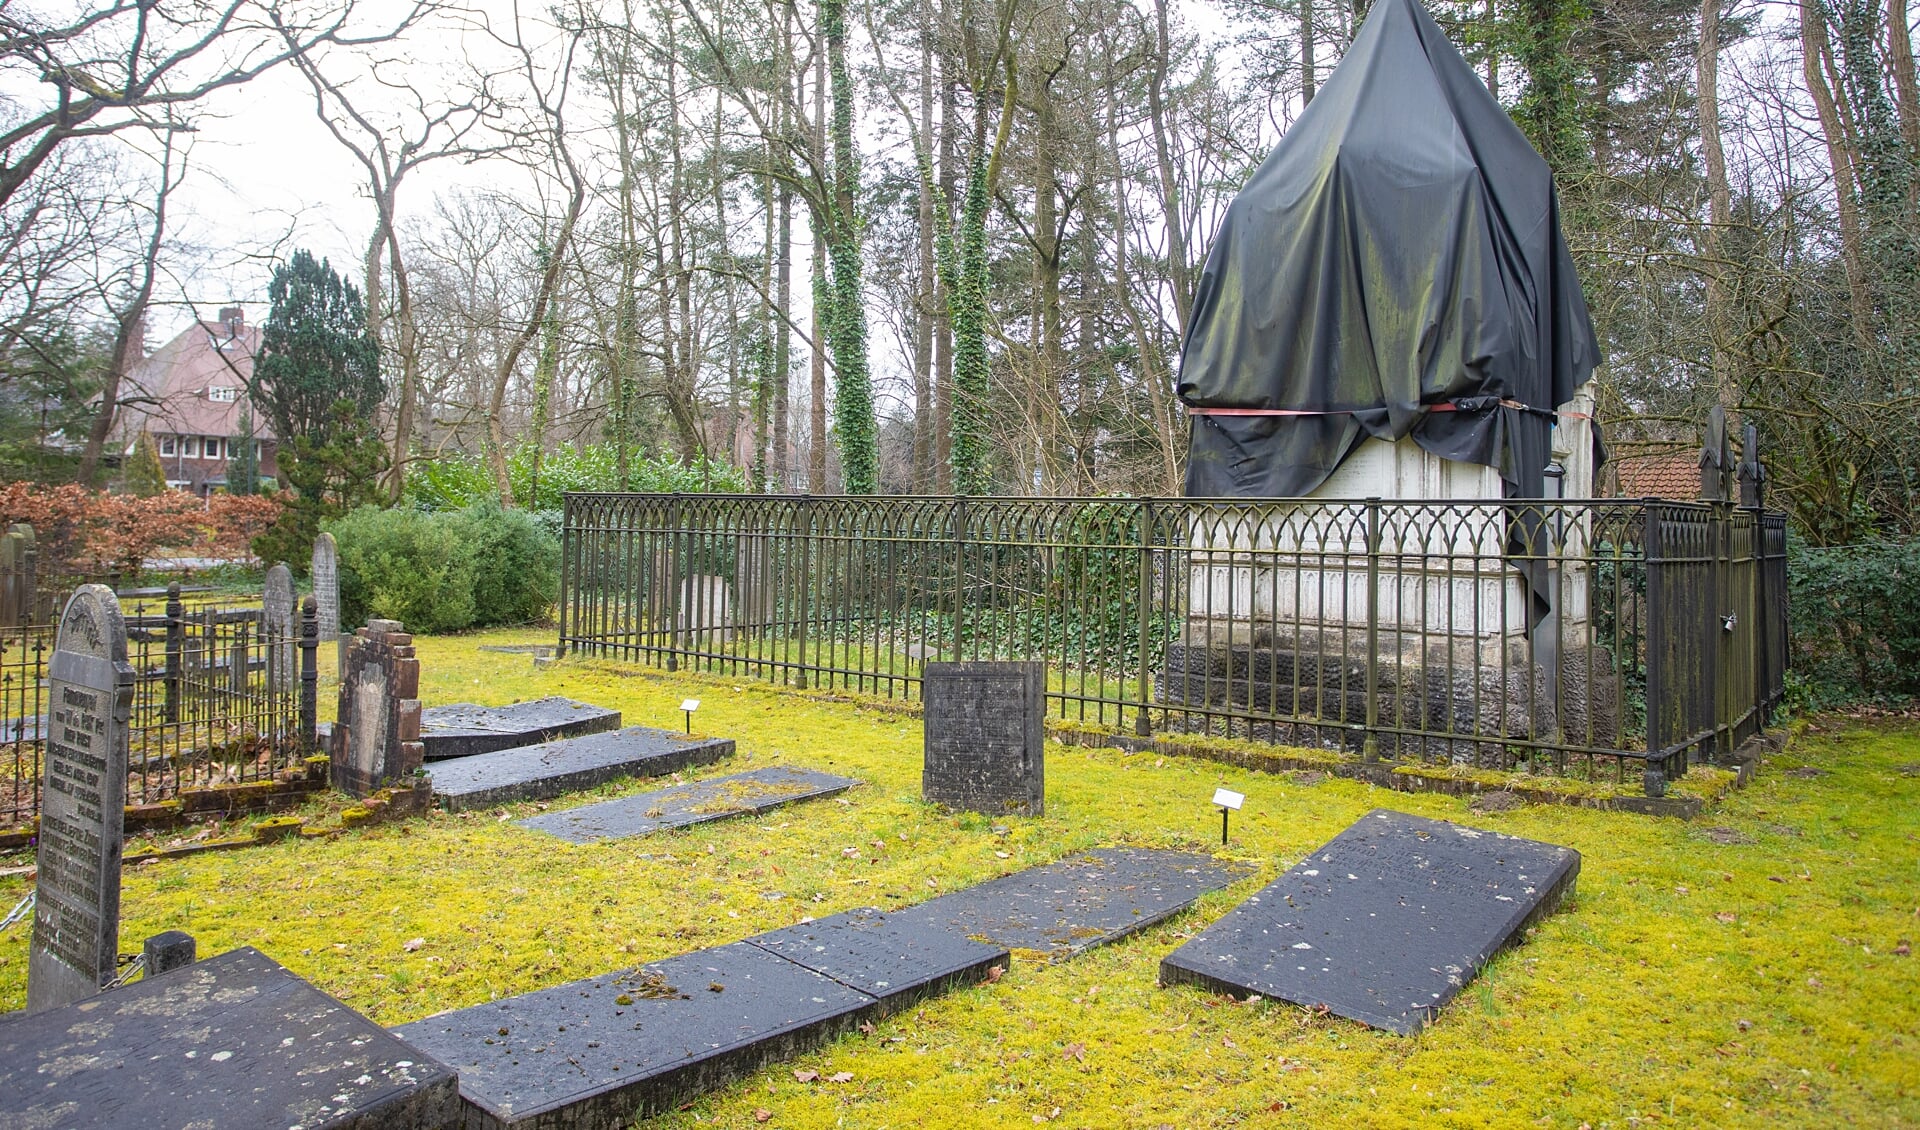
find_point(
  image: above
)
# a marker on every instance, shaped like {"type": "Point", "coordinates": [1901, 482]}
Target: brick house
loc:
{"type": "Point", "coordinates": [188, 396]}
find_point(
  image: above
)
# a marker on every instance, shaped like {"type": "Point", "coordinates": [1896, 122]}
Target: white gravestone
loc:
{"type": "Point", "coordinates": [277, 627]}
{"type": "Point", "coordinates": [325, 572]}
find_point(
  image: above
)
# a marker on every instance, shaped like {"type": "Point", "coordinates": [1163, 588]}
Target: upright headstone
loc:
{"type": "Point", "coordinates": [325, 574]}
{"type": "Point", "coordinates": [12, 570]}
{"type": "Point", "coordinates": [76, 927]}
{"type": "Point", "coordinates": [984, 728]}
{"type": "Point", "coordinates": [376, 737]}
{"type": "Point", "coordinates": [277, 627]}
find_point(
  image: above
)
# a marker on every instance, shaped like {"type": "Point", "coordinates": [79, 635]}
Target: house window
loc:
{"type": "Point", "coordinates": [223, 394]}
{"type": "Point", "coordinates": [190, 446]}
{"type": "Point", "coordinates": [211, 445]}
{"type": "Point", "coordinates": [169, 445]}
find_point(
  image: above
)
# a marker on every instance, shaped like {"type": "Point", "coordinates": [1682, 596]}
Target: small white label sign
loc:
{"type": "Point", "coordinates": [1227, 798]}
{"type": "Point", "coordinates": [690, 705]}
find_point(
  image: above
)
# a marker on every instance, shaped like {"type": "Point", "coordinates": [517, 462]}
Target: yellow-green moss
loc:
{"type": "Point", "coordinates": [1625, 1008]}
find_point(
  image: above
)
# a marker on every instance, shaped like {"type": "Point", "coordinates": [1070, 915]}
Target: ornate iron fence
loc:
{"type": "Point", "coordinates": [1587, 638]}
{"type": "Point", "coordinates": [219, 697]}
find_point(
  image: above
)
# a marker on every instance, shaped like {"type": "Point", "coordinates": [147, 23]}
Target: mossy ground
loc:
{"type": "Point", "coordinates": [1736, 970]}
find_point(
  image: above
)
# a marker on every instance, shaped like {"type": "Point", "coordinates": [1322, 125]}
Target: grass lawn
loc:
{"type": "Point", "coordinates": [1737, 970]}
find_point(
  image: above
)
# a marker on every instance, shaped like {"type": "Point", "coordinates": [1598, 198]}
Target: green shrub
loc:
{"type": "Point", "coordinates": [1855, 617]}
{"type": "Point", "coordinates": [516, 563]}
{"type": "Point", "coordinates": [441, 572]}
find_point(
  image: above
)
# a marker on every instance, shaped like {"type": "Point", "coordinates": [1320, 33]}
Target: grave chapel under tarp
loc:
{"type": "Point", "coordinates": [1395, 268]}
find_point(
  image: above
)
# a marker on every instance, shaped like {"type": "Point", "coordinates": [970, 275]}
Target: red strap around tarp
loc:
{"type": "Point", "coordinates": [1445, 406]}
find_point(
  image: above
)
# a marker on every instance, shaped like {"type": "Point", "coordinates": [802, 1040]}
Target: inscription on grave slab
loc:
{"type": "Point", "coordinates": [377, 737]}
{"type": "Point", "coordinates": [76, 927]}
{"type": "Point", "coordinates": [276, 626]}
{"type": "Point", "coordinates": [1385, 923]}
{"type": "Point", "coordinates": [984, 725]}
{"type": "Point", "coordinates": [325, 574]}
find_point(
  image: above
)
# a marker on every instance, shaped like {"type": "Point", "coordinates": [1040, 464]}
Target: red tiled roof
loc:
{"type": "Point", "coordinates": [1665, 474]}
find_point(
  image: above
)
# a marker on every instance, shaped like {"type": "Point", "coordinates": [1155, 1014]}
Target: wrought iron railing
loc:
{"type": "Point", "coordinates": [1586, 638]}
{"type": "Point", "coordinates": [220, 696]}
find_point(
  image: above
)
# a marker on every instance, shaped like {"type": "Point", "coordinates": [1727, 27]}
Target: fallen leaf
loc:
{"type": "Point", "coordinates": [1003, 855]}
{"type": "Point", "coordinates": [1727, 917]}
{"type": "Point", "coordinates": [761, 1114]}
{"type": "Point", "coordinates": [867, 1028]}
{"type": "Point", "coordinates": [1076, 1052]}
{"type": "Point", "coordinates": [840, 1077]}
{"type": "Point", "coordinates": [994, 974]}
{"type": "Point", "coordinates": [415, 944]}
{"type": "Point", "coordinates": [807, 1076]}
{"type": "Point", "coordinates": [1227, 1042]}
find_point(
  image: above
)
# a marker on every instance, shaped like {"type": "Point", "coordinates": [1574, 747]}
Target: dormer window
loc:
{"type": "Point", "coordinates": [223, 394]}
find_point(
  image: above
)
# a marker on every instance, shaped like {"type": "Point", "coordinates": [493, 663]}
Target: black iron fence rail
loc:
{"type": "Point", "coordinates": [1584, 638]}
{"type": "Point", "coordinates": [220, 697]}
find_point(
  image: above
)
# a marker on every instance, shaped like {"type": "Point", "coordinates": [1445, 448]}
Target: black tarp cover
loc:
{"type": "Point", "coordinates": [1399, 249]}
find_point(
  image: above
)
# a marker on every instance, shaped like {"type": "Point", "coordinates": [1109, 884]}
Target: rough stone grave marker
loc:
{"type": "Point", "coordinates": [277, 627]}
{"type": "Point", "coordinates": [76, 926]}
{"type": "Point", "coordinates": [325, 574]}
{"type": "Point", "coordinates": [984, 726]}
{"type": "Point", "coordinates": [1384, 924]}
{"type": "Point", "coordinates": [377, 736]}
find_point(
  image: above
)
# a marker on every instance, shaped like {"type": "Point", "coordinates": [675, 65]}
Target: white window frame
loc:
{"type": "Point", "coordinates": [169, 445]}
{"type": "Point", "coordinates": [211, 446]}
{"type": "Point", "coordinates": [223, 394]}
{"type": "Point", "coordinates": [190, 447]}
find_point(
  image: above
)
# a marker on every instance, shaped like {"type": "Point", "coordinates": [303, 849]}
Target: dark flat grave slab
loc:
{"type": "Point", "coordinates": [537, 772]}
{"type": "Point", "coordinates": [1385, 923]}
{"type": "Point", "coordinates": [576, 1056]}
{"type": "Point", "coordinates": [697, 802]}
{"type": "Point", "coordinates": [463, 729]}
{"type": "Point", "coordinates": [1066, 907]}
{"type": "Point", "coordinates": [230, 1043]}
{"type": "Point", "coordinates": [894, 959]}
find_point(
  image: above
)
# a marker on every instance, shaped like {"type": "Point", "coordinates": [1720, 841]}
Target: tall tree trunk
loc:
{"type": "Point", "coordinates": [949, 175]}
{"type": "Point", "coordinates": [409, 348]}
{"type": "Point", "coordinates": [1177, 269]}
{"type": "Point", "coordinates": [1906, 93]}
{"type": "Point", "coordinates": [1719, 203]}
{"type": "Point", "coordinates": [822, 291]}
{"type": "Point", "coordinates": [923, 314]}
{"type": "Point", "coordinates": [1816, 57]}
{"type": "Point", "coordinates": [847, 317]}
{"type": "Point", "coordinates": [127, 322]}
{"type": "Point", "coordinates": [1309, 70]}
{"type": "Point", "coordinates": [1048, 406]}
{"type": "Point", "coordinates": [972, 367]}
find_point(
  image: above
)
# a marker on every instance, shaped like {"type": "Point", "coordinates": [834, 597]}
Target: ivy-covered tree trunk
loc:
{"type": "Point", "coordinates": [972, 369]}
{"type": "Point", "coordinates": [846, 315]}
{"type": "Point", "coordinates": [1549, 111]}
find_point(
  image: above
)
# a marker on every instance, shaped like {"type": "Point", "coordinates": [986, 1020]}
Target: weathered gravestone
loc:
{"type": "Point", "coordinates": [325, 574]}
{"type": "Point", "coordinates": [235, 1042]}
{"type": "Point", "coordinates": [984, 727]}
{"type": "Point", "coordinates": [1384, 924]}
{"type": "Point", "coordinates": [76, 926]}
{"type": "Point", "coordinates": [376, 738]}
{"type": "Point", "coordinates": [13, 603]}
{"type": "Point", "coordinates": [277, 627]}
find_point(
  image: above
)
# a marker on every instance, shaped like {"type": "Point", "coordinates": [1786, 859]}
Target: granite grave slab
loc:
{"type": "Point", "coordinates": [537, 772]}
{"type": "Point", "coordinates": [594, 1053]}
{"type": "Point", "coordinates": [75, 943]}
{"type": "Point", "coordinates": [1384, 924]}
{"type": "Point", "coordinates": [231, 1043]}
{"type": "Point", "coordinates": [985, 727]}
{"type": "Point", "coordinates": [1067, 907]}
{"type": "Point", "coordinates": [463, 729]}
{"type": "Point", "coordinates": [696, 802]}
{"type": "Point", "coordinates": [894, 959]}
